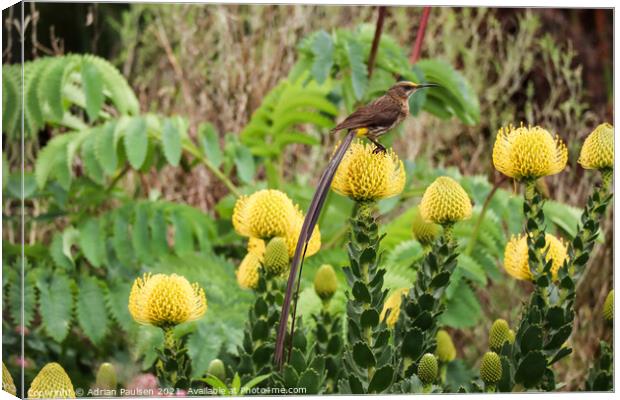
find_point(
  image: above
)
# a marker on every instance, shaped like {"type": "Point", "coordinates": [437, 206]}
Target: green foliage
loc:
{"type": "Point", "coordinates": [368, 357]}
{"type": "Point", "coordinates": [343, 56]}
{"type": "Point", "coordinates": [600, 376]}
{"type": "Point", "coordinates": [235, 389]}
{"type": "Point", "coordinates": [329, 343]}
{"type": "Point", "coordinates": [173, 365]}
{"type": "Point", "coordinates": [256, 352]}
{"type": "Point", "coordinates": [62, 91]}
{"type": "Point", "coordinates": [144, 141]}
{"type": "Point", "coordinates": [91, 309]}
{"type": "Point", "coordinates": [56, 304]}
{"type": "Point", "coordinates": [278, 122]}
{"type": "Point", "coordinates": [416, 330]}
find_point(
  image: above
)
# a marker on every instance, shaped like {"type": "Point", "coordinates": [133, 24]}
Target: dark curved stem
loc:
{"type": "Point", "coordinates": [375, 40]}
{"type": "Point", "coordinates": [415, 53]}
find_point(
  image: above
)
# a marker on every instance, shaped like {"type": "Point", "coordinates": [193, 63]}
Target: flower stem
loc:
{"type": "Point", "coordinates": [173, 367]}
{"type": "Point", "coordinates": [366, 297]}
{"type": "Point", "coordinates": [193, 150]}
{"type": "Point", "coordinates": [534, 228]}
{"type": "Point", "coordinates": [580, 248]}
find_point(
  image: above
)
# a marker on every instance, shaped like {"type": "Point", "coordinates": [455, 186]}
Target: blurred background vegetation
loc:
{"type": "Point", "coordinates": [215, 65]}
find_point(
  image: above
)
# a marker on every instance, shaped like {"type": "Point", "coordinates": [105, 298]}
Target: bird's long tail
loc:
{"type": "Point", "coordinates": [312, 216]}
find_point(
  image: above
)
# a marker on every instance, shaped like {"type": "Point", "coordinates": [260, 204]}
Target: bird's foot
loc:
{"type": "Point", "coordinates": [379, 149]}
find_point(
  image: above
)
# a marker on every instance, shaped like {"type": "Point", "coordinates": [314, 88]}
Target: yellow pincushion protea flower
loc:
{"type": "Point", "coordinates": [7, 381]}
{"type": "Point", "coordinates": [256, 246]}
{"type": "Point", "coordinates": [52, 382]}
{"type": "Point", "coordinates": [598, 149]}
{"type": "Point", "coordinates": [247, 274]}
{"type": "Point", "coordinates": [166, 300]}
{"type": "Point", "coordinates": [264, 214]}
{"type": "Point", "coordinates": [392, 304]}
{"type": "Point", "coordinates": [516, 260]}
{"type": "Point", "coordinates": [367, 176]}
{"type": "Point", "coordinates": [528, 152]}
{"type": "Point", "coordinates": [445, 202]}
{"type": "Point", "coordinates": [314, 245]}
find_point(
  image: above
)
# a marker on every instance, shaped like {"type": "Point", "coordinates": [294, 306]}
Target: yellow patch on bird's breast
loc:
{"type": "Point", "coordinates": [361, 132]}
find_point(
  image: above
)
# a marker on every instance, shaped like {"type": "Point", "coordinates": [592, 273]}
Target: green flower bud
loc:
{"type": "Point", "coordinates": [491, 368]}
{"type": "Point", "coordinates": [106, 377]}
{"type": "Point", "coordinates": [608, 307]}
{"type": "Point", "coordinates": [511, 336]}
{"type": "Point", "coordinates": [445, 348]}
{"type": "Point", "coordinates": [325, 282]}
{"type": "Point", "coordinates": [499, 333]}
{"type": "Point", "coordinates": [217, 369]}
{"type": "Point", "coordinates": [427, 369]}
{"type": "Point", "coordinates": [276, 256]}
{"type": "Point", "coordinates": [424, 232]}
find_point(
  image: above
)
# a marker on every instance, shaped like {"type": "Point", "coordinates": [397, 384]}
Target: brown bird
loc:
{"type": "Point", "coordinates": [372, 121]}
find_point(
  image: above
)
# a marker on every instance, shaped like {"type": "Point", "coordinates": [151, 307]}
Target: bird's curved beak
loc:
{"type": "Point", "coordinates": [427, 85]}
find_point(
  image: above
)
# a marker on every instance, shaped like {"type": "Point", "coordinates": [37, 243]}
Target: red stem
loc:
{"type": "Point", "coordinates": [415, 53]}
{"type": "Point", "coordinates": [375, 40]}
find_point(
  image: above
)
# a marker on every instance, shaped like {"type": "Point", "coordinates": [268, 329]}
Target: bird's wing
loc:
{"type": "Point", "coordinates": [381, 112]}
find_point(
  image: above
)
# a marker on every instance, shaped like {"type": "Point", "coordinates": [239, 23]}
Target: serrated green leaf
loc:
{"type": "Point", "coordinates": [117, 297]}
{"type": "Point", "coordinates": [454, 97]}
{"type": "Point", "coordinates": [52, 159]}
{"type": "Point", "coordinates": [159, 242]}
{"type": "Point", "coordinates": [359, 73]}
{"type": "Point", "coordinates": [119, 90]}
{"type": "Point", "coordinates": [15, 296]}
{"type": "Point", "coordinates": [245, 164]}
{"type": "Point", "coordinates": [57, 253]}
{"type": "Point", "coordinates": [363, 356]}
{"type": "Point", "coordinates": [105, 148]}
{"type": "Point", "coordinates": [463, 309]}
{"type": "Point", "coordinates": [121, 240]}
{"type": "Point", "coordinates": [323, 49]}
{"type": "Point", "coordinates": [56, 306]}
{"type": "Point", "coordinates": [171, 140]}
{"type": "Point", "coordinates": [10, 101]}
{"type": "Point", "coordinates": [91, 311]}
{"type": "Point", "coordinates": [92, 240]}
{"type": "Point", "coordinates": [70, 237]}
{"type": "Point", "coordinates": [52, 83]}
{"type": "Point", "coordinates": [183, 238]}
{"type": "Point", "coordinates": [92, 84]}
{"type": "Point", "coordinates": [136, 142]}
{"type": "Point", "coordinates": [471, 269]}
{"type": "Point", "coordinates": [140, 234]}
{"type": "Point", "coordinates": [210, 144]}
{"type": "Point", "coordinates": [531, 369]}
{"type": "Point", "coordinates": [310, 380]}
{"type": "Point", "coordinates": [33, 112]}
{"type": "Point", "coordinates": [91, 164]}
{"type": "Point", "coordinates": [382, 379]}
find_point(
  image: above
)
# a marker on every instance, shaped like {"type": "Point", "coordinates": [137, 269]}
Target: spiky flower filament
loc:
{"type": "Point", "coordinates": [528, 152]}
{"type": "Point", "coordinates": [367, 176]}
{"type": "Point", "coordinates": [166, 300]}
